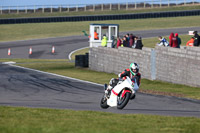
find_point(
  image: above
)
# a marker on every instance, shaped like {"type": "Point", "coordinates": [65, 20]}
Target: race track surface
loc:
{"type": "Point", "coordinates": [22, 87]}
{"type": "Point", "coordinates": [65, 45]}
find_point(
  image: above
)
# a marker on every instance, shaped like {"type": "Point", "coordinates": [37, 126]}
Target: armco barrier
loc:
{"type": "Point", "coordinates": [100, 17]}
{"type": "Point", "coordinates": [168, 64]}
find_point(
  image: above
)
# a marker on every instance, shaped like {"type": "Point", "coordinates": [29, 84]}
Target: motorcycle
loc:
{"type": "Point", "coordinates": [120, 95]}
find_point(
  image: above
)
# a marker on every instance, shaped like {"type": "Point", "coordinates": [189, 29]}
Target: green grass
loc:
{"type": "Point", "coordinates": [62, 67]}
{"type": "Point", "coordinates": [178, 8]}
{"type": "Point", "coordinates": [30, 120]}
{"type": "Point", "coordinates": [43, 30]}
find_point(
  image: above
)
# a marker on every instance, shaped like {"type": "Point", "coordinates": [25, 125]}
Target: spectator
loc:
{"type": "Point", "coordinates": [125, 42]}
{"type": "Point", "coordinates": [104, 41]}
{"type": "Point", "coordinates": [190, 42]}
{"type": "Point", "coordinates": [196, 39]}
{"type": "Point", "coordinates": [137, 43]}
{"type": "Point", "coordinates": [128, 38]}
{"type": "Point", "coordinates": [131, 40]}
{"type": "Point", "coordinates": [178, 39]}
{"type": "Point", "coordinates": [113, 42]}
{"type": "Point", "coordinates": [163, 41]}
{"type": "Point", "coordinates": [173, 42]}
{"type": "Point", "coordinates": [96, 35]}
{"type": "Point", "coordinates": [119, 42]}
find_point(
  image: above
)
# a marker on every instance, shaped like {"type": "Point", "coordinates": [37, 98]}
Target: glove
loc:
{"type": "Point", "coordinates": [119, 75]}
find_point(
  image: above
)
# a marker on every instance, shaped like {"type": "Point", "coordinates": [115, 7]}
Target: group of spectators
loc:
{"type": "Point", "coordinates": [175, 40]}
{"type": "Point", "coordinates": [129, 40]}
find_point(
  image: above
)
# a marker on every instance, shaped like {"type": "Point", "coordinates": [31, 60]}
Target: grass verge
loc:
{"type": "Point", "coordinates": [45, 30]}
{"type": "Point", "coordinates": [29, 120]}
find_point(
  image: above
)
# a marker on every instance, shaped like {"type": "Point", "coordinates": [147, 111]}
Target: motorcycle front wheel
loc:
{"type": "Point", "coordinates": [122, 101]}
{"type": "Point", "coordinates": [103, 102]}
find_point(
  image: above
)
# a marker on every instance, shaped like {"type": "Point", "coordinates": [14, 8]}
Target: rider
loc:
{"type": "Point", "coordinates": [132, 72]}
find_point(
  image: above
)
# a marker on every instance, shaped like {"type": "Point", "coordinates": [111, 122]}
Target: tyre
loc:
{"type": "Point", "coordinates": [122, 102]}
{"type": "Point", "coordinates": [103, 102]}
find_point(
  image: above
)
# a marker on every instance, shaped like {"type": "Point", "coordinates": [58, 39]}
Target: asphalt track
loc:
{"type": "Point", "coordinates": [65, 45]}
{"type": "Point", "coordinates": [24, 87]}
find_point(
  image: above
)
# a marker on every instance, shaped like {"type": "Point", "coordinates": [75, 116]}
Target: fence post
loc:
{"type": "Point", "coordinates": [160, 3]}
{"type": "Point", "coordinates": [110, 6]}
{"type": "Point", "coordinates": [184, 2]}
{"type": "Point", "coordinates": [51, 9]}
{"type": "Point", "coordinates": [135, 5]}
{"type": "Point", "coordinates": [101, 7]}
{"type": "Point", "coordinates": [85, 8]}
{"type": "Point", "coordinates": [126, 5]}
{"type": "Point", "coordinates": [68, 9]}
{"type": "Point", "coordinates": [168, 3]}
{"type": "Point", "coordinates": [17, 9]}
{"type": "Point", "coordinates": [26, 10]}
{"type": "Point", "coordinates": [34, 9]}
{"type": "Point", "coordinates": [43, 9]}
{"type": "Point", "coordinates": [76, 8]}
{"type": "Point", "coordinates": [151, 3]}
{"type": "Point", "coordinates": [144, 5]}
{"type": "Point", "coordinates": [94, 7]}
{"type": "Point", "coordinates": [118, 6]}
{"type": "Point", "coordinates": [60, 9]}
{"type": "Point", "coordinates": [1, 10]}
{"type": "Point", "coordinates": [9, 10]}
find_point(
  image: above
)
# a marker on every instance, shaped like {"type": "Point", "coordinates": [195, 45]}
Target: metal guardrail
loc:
{"type": "Point", "coordinates": [95, 7]}
{"type": "Point", "coordinates": [100, 17]}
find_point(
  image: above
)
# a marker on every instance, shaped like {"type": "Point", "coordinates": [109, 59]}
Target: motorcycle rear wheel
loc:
{"type": "Point", "coordinates": [122, 102]}
{"type": "Point", "coordinates": [103, 102]}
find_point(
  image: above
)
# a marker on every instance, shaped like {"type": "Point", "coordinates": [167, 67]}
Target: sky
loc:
{"type": "Point", "coordinates": [57, 2]}
{"type": "Point", "coordinates": [71, 2]}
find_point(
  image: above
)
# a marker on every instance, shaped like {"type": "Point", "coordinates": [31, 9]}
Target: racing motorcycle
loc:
{"type": "Point", "coordinates": [120, 95]}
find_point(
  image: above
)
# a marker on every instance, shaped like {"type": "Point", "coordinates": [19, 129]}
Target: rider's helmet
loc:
{"type": "Point", "coordinates": [134, 68]}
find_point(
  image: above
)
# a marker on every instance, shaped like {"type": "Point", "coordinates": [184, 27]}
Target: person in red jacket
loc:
{"type": "Point", "coordinates": [173, 42]}
{"type": "Point", "coordinates": [119, 42]}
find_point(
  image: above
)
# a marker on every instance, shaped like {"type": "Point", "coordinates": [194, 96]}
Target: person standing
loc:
{"type": "Point", "coordinates": [178, 39]}
{"type": "Point", "coordinates": [173, 42]}
{"type": "Point", "coordinates": [196, 39]}
{"type": "Point", "coordinates": [119, 42]}
{"type": "Point", "coordinates": [125, 42]}
{"type": "Point", "coordinates": [104, 41]}
{"type": "Point", "coordinates": [131, 40]}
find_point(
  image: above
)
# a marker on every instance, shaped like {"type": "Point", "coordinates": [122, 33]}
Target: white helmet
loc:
{"type": "Point", "coordinates": [134, 68]}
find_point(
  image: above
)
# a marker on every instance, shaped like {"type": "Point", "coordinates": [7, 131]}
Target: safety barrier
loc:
{"type": "Point", "coordinates": [100, 17]}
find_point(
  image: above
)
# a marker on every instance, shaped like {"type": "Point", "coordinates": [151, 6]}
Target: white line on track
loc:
{"type": "Point", "coordinates": [56, 75]}
{"type": "Point", "coordinates": [69, 56]}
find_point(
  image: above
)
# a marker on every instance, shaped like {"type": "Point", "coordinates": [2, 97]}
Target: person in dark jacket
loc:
{"type": "Point", "coordinates": [178, 39]}
{"type": "Point", "coordinates": [137, 43]}
{"type": "Point", "coordinates": [196, 39]}
{"type": "Point", "coordinates": [125, 42]}
{"type": "Point", "coordinates": [131, 40]}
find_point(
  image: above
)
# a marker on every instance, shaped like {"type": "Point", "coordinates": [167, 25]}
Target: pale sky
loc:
{"type": "Point", "coordinates": [66, 2]}
{"type": "Point", "coordinates": [57, 2]}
